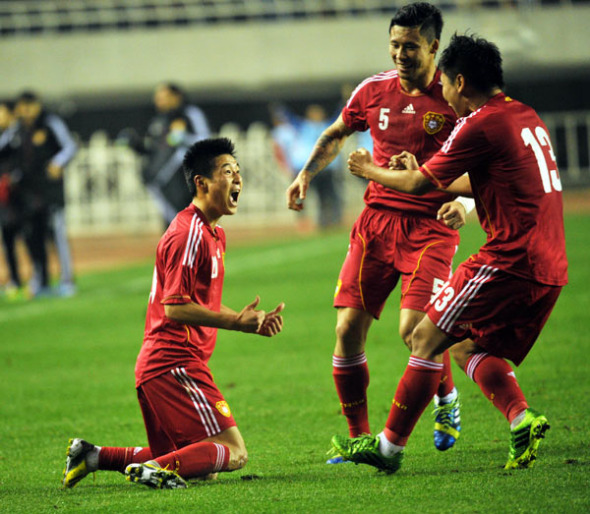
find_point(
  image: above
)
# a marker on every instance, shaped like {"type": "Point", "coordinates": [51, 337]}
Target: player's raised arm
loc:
{"type": "Point", "coordinates": [324, 152]}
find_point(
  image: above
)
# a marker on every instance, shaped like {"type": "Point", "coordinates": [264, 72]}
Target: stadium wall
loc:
{"type": "Point", "coordinates": [235, 59]}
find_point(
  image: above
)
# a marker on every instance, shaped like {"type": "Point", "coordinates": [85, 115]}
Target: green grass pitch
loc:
{"type": "Point", "coordinates": [67, 371]}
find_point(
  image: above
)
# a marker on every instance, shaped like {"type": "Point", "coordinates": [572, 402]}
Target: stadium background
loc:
{"type": "Point", "coordinates": [96, 63]}
{"type": "Point", "coordinates": [67, 364]}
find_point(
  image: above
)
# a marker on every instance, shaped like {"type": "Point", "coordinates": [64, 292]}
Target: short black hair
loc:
{"type": "Point", "coordinates": [200, 159]}
{"type": "Point", "coordinates": [28, 97]}
{"type": "Point", "coordinates": [420, 14]}
{"type": "Point", "coordinates": [477, 59]}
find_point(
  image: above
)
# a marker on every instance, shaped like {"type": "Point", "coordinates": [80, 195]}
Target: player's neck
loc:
{"type": "Point", "coordinates": [211, 216]}
{"type": "Point", "coordinates": [420, 84]}
{"type": "Point", "coordinates": [475, 101]}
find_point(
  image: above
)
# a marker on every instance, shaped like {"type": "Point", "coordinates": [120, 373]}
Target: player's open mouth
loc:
{"type": "Point", "coordinates": [233, 197]}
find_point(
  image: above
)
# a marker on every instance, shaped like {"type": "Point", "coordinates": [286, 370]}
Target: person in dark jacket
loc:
{"type": "Point", "coordinates": [175, 127]}
{"type": "Point", "coordinates": [42, 146]}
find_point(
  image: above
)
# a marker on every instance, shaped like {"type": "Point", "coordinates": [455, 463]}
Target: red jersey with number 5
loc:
{"type": "Point", "coordinates": [513, 172]}
{"type": "Point", "coordinates": [189, 268]}
{"type": "Point", "coordinates": [419, 123]}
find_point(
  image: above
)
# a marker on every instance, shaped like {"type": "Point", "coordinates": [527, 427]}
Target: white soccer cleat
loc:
{"type": "Point", "coordinates": [152, 475]}
{"type": "Point", "coordinates": [77, 466]}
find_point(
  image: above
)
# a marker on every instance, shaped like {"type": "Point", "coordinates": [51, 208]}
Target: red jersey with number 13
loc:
{"type": "Point", "coordinates": [189, 268]}
{"type": "Point", "coordinates": [507, 150]}
{"type": "Point", "coordinates": [419, 123]}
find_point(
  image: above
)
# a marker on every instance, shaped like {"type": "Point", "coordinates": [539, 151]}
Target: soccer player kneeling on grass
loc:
{"type": "Point", "coordinates": [501, 297]}
{"type": "Point", "coordinates": [190, 428]}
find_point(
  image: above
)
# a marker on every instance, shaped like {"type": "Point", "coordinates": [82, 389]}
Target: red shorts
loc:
{"type": "Point", "coordinates": [502, 313]}
{"type": "Point", "coordinates": [385, 245]}
{"type": "Point", "coordinates": [181, 407]}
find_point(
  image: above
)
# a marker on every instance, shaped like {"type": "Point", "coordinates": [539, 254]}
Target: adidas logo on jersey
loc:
{"type": "Point", "coordinates": [408, 110]}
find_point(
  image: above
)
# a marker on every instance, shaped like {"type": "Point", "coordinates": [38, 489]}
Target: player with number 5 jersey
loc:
{"type": "Point", "coordinates": [398, 238]}
{"type": "Point", "coordinates": [500, 298]}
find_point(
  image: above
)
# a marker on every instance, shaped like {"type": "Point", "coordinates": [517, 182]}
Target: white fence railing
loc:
{"type": "Point", "coordinates": [105, 194]}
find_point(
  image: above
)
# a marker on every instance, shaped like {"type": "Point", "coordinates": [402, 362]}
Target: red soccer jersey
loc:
{"type": "Point", "coordinates": [506, 148]}
{"type": "Point", "coordinates": [189, 268]}
{"type": "Point", "coordinates": [399, 121]}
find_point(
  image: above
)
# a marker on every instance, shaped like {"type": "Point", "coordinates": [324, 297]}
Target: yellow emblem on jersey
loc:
{"type": "Point", "coordinates": [433, 122]}
{"type": "Point", "coordinates": [39, 137]}
{"type": "Point", "coordinates": [223, 408]}
{"type": "Point", "coordinates": [338, 286]}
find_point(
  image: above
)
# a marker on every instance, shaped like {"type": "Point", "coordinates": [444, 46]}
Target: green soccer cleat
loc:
{"type": "Point", "coordinates": [525, 440]}
{"type": "Point", "coordinates": [77, 466]}
{"type": "Point", "coordinates": [365, 450]}
{"type": "Point", "coordinates": [447, 424]}
{"type": "Point", "coordinates": [152, 475]}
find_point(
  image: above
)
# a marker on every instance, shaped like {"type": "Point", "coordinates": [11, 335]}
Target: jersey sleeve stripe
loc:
{"type": "Point", "coordinates": [429, 175]}
{"type": "Point", "coordinates": [190, 237]}
{"type": "Point", "coordinates": [195, 248]}
{"type": "Point", "coordinates": [193, 241]}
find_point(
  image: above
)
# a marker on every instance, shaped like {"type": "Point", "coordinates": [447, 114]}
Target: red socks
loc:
{"type": "Point", "coordinates": [117, 459]}
{"type": "Point", "coordinates": [446, 384]}
{"type": "Point", "coordinates": [351, 376]}
{"type": "Point", "coordinates": [196, 459]}
{"type": "Point", "coordinates": [495, 378]}
{"type": "Point", "coordinates": [414, 392]}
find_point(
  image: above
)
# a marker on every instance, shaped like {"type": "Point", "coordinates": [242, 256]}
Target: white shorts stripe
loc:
{"type": "Point", "coordinates": [208, 410]}
{"type": "Point", "coordinates": [199, 401]}
{"type": "Point", "coordinates": [473, 363]}
{"type": "Point", "coordinates": [464, 297]}
{"type": "Point", "coordinates": [176, 373]}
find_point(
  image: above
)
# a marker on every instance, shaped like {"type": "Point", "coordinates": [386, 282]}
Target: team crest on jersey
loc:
{"type": "Point", "coordinates": [39, 137]}
{"type": "Point", "coordinates": [223, 408]}
{"type": "Point", "coordinates": [433, 122]}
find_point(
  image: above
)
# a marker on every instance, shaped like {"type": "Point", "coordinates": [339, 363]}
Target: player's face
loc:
{"type": "Point", "coordinates": [225, 186]}
{"type": "Point", "coordinates": [453, 97]}
{"type": "Point", "coordinates": [411, 53]}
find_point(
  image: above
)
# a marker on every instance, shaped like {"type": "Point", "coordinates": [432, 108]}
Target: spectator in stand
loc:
{"type": "Point", "coordinates": [10, 206]}
{"type": "Point", "coordinates": [174, 128]}
{"type": "Point", "coordinates": [296, 138]}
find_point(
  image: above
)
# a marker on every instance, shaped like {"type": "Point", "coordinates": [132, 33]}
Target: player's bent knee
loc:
{"type": "Point", "coordinates": [237, 459]}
